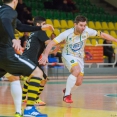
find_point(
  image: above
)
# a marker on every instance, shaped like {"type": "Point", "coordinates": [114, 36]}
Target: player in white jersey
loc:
{"type": "Point", "coordinates": [73, 52]}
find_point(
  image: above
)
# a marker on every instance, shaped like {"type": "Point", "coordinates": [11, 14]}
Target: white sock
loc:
{"type": "Point", "coordinates": [16, 92]}
{"type": "Point", "coordinates": [70, 83]}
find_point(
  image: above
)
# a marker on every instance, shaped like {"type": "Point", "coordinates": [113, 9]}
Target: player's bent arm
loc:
{"type": "Point", "coordinates": [49, 47]}
{"type": "Point", "coordinates": [108, 37]}
{"type": "Point", "coordinates": [26, 28]}
{"type": "Point", "coordinates": [47, 42]}
{"type": "Point", "coordinates": [8, 27]}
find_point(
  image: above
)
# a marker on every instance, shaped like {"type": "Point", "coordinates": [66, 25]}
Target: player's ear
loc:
{"type": "Point", "coordinates": [38, 24]}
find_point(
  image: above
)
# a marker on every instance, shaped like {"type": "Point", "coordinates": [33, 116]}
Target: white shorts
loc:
{"type": "Point", "coordinates": [70, 61]}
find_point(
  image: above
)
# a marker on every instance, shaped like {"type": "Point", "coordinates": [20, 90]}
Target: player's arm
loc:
{"type": "Point", "coordinates": [9, 30]}
{"type": "Point", "coordinates": [103, 35]}
{"type": "Point", "coordinates": [27, 28]}
{"type": "Point", "coordinates": [49, 47]}
{"type": "Point", "coordinates": [107, 36]}
{"type": "Point", "coordinates": [52, 43]}
{"type": "Point", "coordinates": [58, 47]}
{"type": "Point", "coordinates": [47, 42]}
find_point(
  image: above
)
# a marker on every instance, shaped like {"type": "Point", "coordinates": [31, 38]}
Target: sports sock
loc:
{"type": "Point", "coordinates": [25, 90]}
{"type": "Point", "coordinates": [33, 89]}
{"type": "Point", "coordinates": [16, 92]}
{"type": "Point", "coordinates": [70, 83]}
{"type": "Point", "coordinates": [40, 90]}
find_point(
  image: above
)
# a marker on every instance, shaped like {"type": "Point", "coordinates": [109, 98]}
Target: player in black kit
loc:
{"type": "Point", "coordinates": [16, 64]}
{"type": "Point", "coordinates": [34, 48]}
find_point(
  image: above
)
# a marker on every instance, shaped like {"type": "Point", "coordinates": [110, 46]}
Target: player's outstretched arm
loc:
{"type": "Point", "coordinates": [47, 27]}
{"type": "Point", "coordinates": [44, 58]}
{"type": "Point", "coordinates": [27, 28]}
{"type": "Point", "coordinates": [108, 37]}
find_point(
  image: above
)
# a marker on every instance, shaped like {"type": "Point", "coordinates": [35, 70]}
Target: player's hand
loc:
{"type": "Point", "coordinates": [43, 59]}
{"type": "Point", "coordinates": [20, 52]}
{"type": "Point", "coordinates": [47, 27]}
{"type": "Point", "coordinates": [16, 44]}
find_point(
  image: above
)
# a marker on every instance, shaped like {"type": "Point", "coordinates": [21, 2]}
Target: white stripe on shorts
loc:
{"type": "Point", "coordinates": [24, 61]}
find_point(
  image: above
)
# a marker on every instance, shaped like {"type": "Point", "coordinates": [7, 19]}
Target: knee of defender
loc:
{"type": "Point", "coordinates": [38, 73]}
{"type": "Point", "coordinates": [76, 72]}
{"type": "Point", "coordinates": [13, 78]}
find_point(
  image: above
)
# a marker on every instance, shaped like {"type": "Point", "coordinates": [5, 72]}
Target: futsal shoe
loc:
{"type": "Point", "coordinates": [67, 99]}
{"type": "Point", "coordinates": [39, 103]}
{"type": "Point", "coordinates": [33, 112]}
{"type": "Point", "coordinates": [64, 91]}
{"type": "Point", "coordinates": [18, 114]}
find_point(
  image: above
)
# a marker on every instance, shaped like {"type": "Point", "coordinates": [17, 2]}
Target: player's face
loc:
{"type": "Point", "coordinates": [80, 27]}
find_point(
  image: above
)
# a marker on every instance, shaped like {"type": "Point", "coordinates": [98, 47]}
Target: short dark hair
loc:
{"type": "Point", "coordinates": [7, 1]}
{"type": "Point", "coordinates": [80, 18]}
{"type": "Point", "coordinates": [39, 19]}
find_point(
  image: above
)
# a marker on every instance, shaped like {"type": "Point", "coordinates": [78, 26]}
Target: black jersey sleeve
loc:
{"type": "Point", "coordinates": [26, 28]}
{"type": "Point", "coordinates": [8, 27]}
{"type": "Point", "coordinates": [42, 36]}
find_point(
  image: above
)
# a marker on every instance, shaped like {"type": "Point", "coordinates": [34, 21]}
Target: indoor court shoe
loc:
{"type": "Point", "coordinates": [18, 114]}
{"type": "Point", "coordinates": [40, 103]}
{"type": "Point", "coordinates": [67, 99]}
{"type": "Point", "coordinates": [33, 112]}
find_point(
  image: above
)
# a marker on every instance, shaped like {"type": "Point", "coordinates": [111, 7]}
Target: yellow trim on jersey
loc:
{"type": "Point", "coordinates": [74, 64]}
{"type": "Point", "coordinates": [99, 33]}
{"type": "Point", "coordinates": [55, 41]}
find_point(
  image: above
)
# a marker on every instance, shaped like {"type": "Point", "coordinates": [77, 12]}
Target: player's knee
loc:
{"type": "Point", "coordinates": [37, 73]}
{"type": "Point", "coordinates": [76, 72]}
{"type": "Point", "coordinates": [13, 78]}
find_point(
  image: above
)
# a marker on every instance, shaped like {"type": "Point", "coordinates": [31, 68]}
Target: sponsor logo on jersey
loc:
{"type": "Point", "coordinates": [75, 47]}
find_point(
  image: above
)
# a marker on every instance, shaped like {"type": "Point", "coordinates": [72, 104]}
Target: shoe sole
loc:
{"type": "Point", "coordinates": [40, 104]}
{"type": "Point", "coordinates": [35, 116]}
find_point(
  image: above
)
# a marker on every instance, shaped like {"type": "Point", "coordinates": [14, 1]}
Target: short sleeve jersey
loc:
{"type": "Point", "coordinates": [35, 45]}
{"type": "Point", "coordinates": [75, 43]}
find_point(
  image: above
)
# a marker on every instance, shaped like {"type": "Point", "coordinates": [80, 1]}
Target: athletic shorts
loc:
{"type": "Point", "coordinates": [70, 61]}
{"type": "Point", "coordinates": [16, 65]}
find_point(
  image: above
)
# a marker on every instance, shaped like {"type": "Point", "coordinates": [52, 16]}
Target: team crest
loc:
{"type": "Point", "coordinates": [75, 47]}
{"type": "Point", "coordinates": [72, 61]}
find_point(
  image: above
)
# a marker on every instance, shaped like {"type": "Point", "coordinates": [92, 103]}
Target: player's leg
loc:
{"type": "Point", "coordinates": [73, 66]}
{"type": "Point", "coordinates": [80, 76]}
{"type": "Point", "coordinates": [41, 87]}
{"type": "Point", "coordinates": [32, 93]}
{"type": "Point", "coordinates": [16, 92]}
{"type": "Point", "coordinates": [79, 80]}
{"type": "Point", "coordinates": [43, 82]}
{"type": "Point", "coordinates": [19, 65]}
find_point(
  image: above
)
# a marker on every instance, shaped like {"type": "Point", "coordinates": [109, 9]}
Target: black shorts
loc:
{"type": "Point", "coordinates": [16, 65]}
{"type": "Point", "coordinates": [34, 60]}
